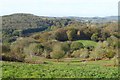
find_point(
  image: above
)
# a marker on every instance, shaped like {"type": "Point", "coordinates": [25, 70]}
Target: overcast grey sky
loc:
{"type": "Point", "coordinates": [88, 8]}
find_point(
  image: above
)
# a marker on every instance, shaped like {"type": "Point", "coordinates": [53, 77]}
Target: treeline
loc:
{"type": "Point", "coordinates": [26, 48]}
{"type": "Point", "coordinates": [72, 33]}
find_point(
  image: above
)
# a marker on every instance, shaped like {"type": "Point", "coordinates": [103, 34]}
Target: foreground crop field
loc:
{"type": "Point", "coordinates": [91, 69]}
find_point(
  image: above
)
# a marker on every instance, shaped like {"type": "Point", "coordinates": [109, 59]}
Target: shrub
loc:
{"type": "Point", "coordinates": [112, 41]}
{"type": "Point", "coordinates": [90, 48]}
{"type": "Point", "coordinates": [48, 46]}
{"type": "Point", "coordinates": [110, 53]}
{"type": "Point", "coordinates": [72, 34]}
{"type": "Point", "coordinates": [103, 50]}
{"type": "Point", "coordinates": [116, 61]}
{"type": "Point", "coordinates": [43, 37]}
{"type": "Point", "coordinates": [46, 54]}
{"type": "Point", "coordinates": [57, 52]}
{"type": "Point", "coordinates": [76, 46]}
{"type": "Point", "coordinates": [84, 53]}
{"type": "Point", "coordinates": [10, 53]}
{"type": "Point", "coordinates": [99, 52]}
{"type": "Point", "coordinates": [17, 33]}
{"type": "Point", "coordinates": [5, 48]}
{"type": "Point", "coordinates": [94, 37]}
{"type": "Point", "coordinates": [65, 46]}
{"type": "Point", "coordinates": [35, 49]}
{"type": "Point", "coordinates": [61, 35]}
{"type": "Point", "coordinates": [17, 48]}
{"type": "Point", "coordinates": [76, 54]}
{"type": "Point", "coordinates": [94, 55]}
{"type": "Point", "coordinates": [105, 44]}
{"type": "Point", "coordinates": [13, 57]}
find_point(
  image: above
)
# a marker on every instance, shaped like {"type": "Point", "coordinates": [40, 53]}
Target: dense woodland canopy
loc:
{"type": "Point", "coordinates": [26, 35]}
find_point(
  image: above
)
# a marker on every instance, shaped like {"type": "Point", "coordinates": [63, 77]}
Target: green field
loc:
{"type": "Point", "coordinates": [88, 42]}
{"type": "Point", "coordinates": [64, 69]}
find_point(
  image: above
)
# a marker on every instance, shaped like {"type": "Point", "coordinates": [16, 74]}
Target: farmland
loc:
{"type": "Point", "coordinates": [63, 69]}
{"type": "Point", "coordinates": [58, 47]}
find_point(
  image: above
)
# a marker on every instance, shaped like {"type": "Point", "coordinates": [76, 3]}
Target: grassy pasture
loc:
{"type": "Point", "coordinates": [88, 42]}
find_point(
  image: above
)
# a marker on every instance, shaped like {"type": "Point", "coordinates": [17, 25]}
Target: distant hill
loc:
{"type": "Point", "coordinates": [97, 19]}
{"type": "Point", "coordinates": [26, 24]}
{"type": "Point", "coordinates": [25, 21]}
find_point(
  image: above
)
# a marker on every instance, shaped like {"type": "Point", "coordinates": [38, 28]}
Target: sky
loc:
{"type": "Point", "coordinates": [61, 8]}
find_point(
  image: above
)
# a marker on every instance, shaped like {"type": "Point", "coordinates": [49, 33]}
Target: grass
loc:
{"type": "Point", "coordinates": [88, 42]}
{"type": "Point", "coordinates": [63, 69]}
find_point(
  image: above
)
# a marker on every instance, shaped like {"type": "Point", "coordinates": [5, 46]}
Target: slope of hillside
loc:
{"type": "Point", "coordinates": [23, 21]}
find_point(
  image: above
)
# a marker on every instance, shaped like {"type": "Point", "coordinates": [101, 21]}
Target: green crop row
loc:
{"type": "Point", "coordinates": [57, 70]}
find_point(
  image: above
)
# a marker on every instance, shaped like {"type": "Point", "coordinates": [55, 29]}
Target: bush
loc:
{"type": "Point", "coordinates": [57, 52]}
{"type": "Point", "coordinates": [13, 57]}
{"type": "Point", "coordinates": [34, 49]}
{"type": "Point", "coordinates": [94, 37]}
{"type": "Point", "coordinates": [90, 48]}
{"type": "Point", "coordinates": [61, 35]}
{"type": "Point", "coordinates": [76, 46]}
{"type": "Point", "coordinates": [94, 55]}
{"type": "Point", "coordinates": [84, 53]}
{"type": "Point", "coordinates": [113, 41]}
{"type": "Point", "coordinates": [8, 55]}
{"type": "Point", "coordinates": [116, 61]}
{"type": "Point", "coordinates": [5, 48]}
{"type": "Point", "coordinates": [110, 53]}
{"type": "Point", "coordinates": [99, 52]}
{"type": "Point", "coordinates": [72, 34]}
{"type": "Point", "coordinates": [65, 46]}
{"type": "Point", "coordinates": [76, 54]}
{"type": "Point", "coordinates": [48, 46]}
{"type": "Point", "coordinates": [103, 50]}
{"type": "Point", "coordinates": [46, 54]}
{"type": "Point", "coordinates": [17, 48]}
